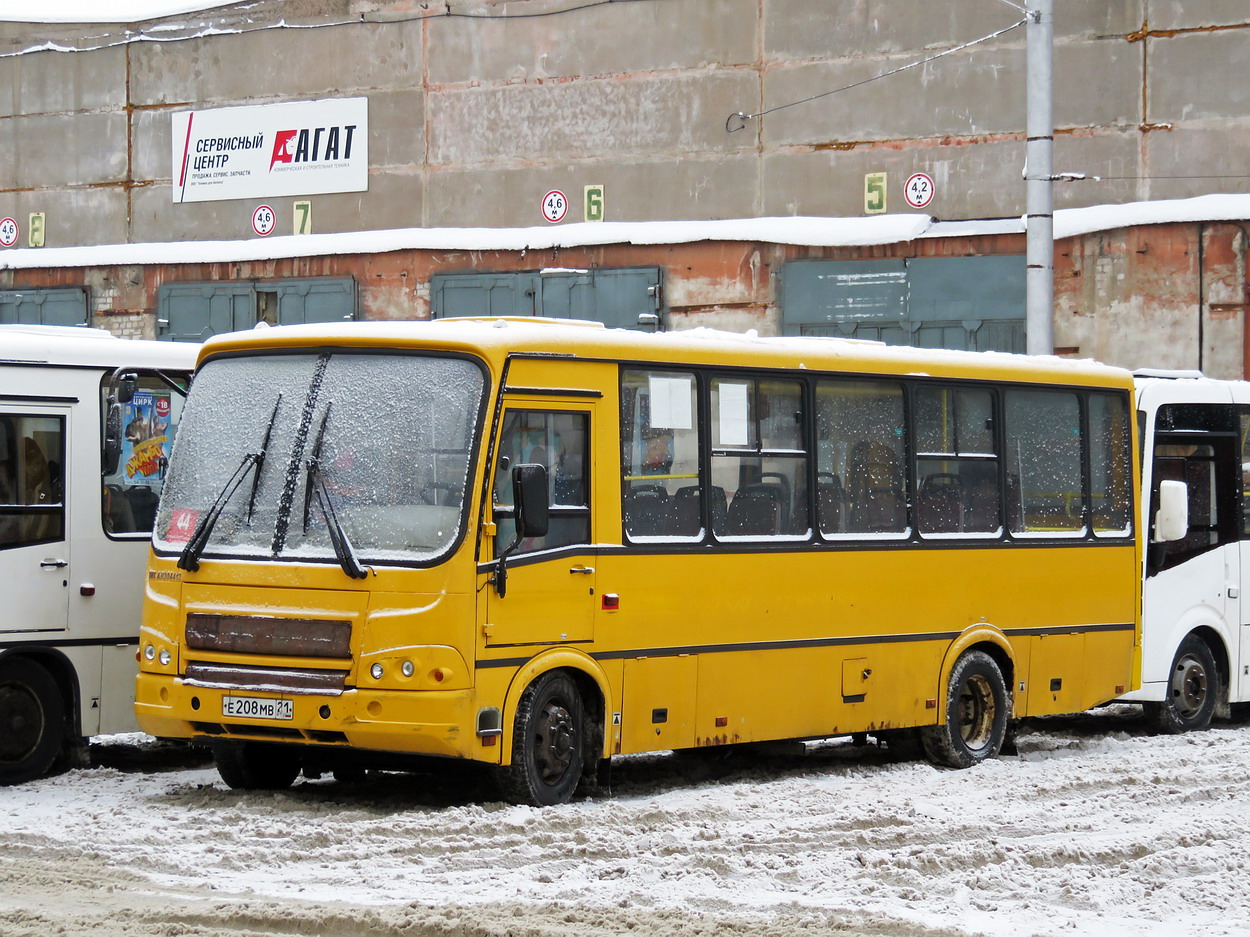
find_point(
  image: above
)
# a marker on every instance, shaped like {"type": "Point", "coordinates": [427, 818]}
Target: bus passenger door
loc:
{"type": "Point", "coordinates": [550, 584]}
{"type": "Point", "coordinates": [1193, 582]}
{"type": "Point", "coordinates": [34, 545]}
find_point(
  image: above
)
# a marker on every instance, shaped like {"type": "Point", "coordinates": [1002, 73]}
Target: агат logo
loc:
{"type": "Point", "coordinates": [312, 145]}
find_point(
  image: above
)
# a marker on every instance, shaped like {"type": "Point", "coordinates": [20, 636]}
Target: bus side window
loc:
{"type": "Point", "coordinates": [129, 496]}
{"type": "Point", "coordinates": [660, 490]}
{"type": "Point", "coordinates": [559, 441]}
{"type": "Point", "coordinates": [32, 460]}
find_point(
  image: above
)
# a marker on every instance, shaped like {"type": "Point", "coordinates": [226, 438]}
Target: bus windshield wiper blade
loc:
{"type": "Point", "coordinates": [260, 462]}
{"type": "Point", "coordinates": [315, 483]}
{"type": "Point", "coordinates": [190, 558]}
{"type": "Point", "coordinates": [343, 551]}
{"type": "Point", "coordinates": [251, 462]}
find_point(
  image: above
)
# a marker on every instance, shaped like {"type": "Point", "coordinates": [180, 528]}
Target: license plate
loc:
{"type": "Point", "coordinates": [257, 707]}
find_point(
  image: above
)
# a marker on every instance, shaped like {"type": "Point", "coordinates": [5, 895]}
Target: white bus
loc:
{"type": "Point", "coordinates": [74, 531]}
{"type": "Point", "coordinates": [1195, 621]}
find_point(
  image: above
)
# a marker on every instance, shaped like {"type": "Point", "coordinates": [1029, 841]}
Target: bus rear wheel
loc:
{"type": "Point", "coordinates": [32, 721]}
{"type": "Point", "coordinates": [977, 711]}
{"type": "Point", "coordinates": [548, 743]}
{"type": "Point", "coordinates": [255, 766]}
{"type": "Point", "coordinates": [1193, 690]}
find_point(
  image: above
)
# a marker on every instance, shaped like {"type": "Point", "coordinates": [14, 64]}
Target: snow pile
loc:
{"type": "Point", "coordinates": [1095, 829]}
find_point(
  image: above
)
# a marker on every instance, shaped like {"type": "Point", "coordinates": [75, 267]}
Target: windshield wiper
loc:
{"type": "Point", "coordinates": [315, 483]}
{"type": "Point", "coordinates": [251, 462]}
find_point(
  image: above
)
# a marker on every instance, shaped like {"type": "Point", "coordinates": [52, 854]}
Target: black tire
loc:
{"type": "Point", "coordinates": [255, 766]}
{"type": "Point", "coordinates": [978, 708]}
{"type": "Point", "coordinates": [32, 721]}
{"type": "Point", "coordinates": [1193, 690]}
{"type": "Point", "coordinates": [548, 743]}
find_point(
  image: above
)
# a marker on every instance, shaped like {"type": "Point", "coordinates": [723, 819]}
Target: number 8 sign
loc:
{"type": "Point", "coordinates": [918, 191]}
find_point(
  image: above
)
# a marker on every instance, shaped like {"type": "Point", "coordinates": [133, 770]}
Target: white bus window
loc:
{"type": "Point", "coordinates": [149, 421]}
{"type": "Point", "coordinates": [1045, 495]}
{"type": "Point", "coordinates": [661, 495]}
{"type": "Point", "coordinates": [32, 465]}
{"type": "Point", "coordinates": [860, 486]}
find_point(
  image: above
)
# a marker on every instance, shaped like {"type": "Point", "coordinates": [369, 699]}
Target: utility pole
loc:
{"type": "Point", "coordinates": [1039, 173]}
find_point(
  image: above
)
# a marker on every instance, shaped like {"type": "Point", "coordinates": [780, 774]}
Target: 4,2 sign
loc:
{"type": "Point", "coordinates": [555, 206]}
{"type": "Point", "coordinates": [8, 232]}
{"type": "Point", "coordinates": [918, 190]}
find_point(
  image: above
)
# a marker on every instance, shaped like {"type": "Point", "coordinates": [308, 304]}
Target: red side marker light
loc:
{"type": "Point", "coordinates": [722, 721]}
{"type": "Point", "coordinates": [611, 601]}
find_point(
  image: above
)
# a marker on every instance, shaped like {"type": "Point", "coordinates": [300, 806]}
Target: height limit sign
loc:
{"type": "Point", "coordinates": [918, 190]}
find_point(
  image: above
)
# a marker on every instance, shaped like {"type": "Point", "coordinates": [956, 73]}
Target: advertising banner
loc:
{"type": "Point", "coordinates": [267, 150]}
{"type": "Point", "coordinates": [147, 441]}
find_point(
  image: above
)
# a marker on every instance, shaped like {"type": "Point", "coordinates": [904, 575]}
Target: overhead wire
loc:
{"type": "Point", "coordinates": [742, 118]}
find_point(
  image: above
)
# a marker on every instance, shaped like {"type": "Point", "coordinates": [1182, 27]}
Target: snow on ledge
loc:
{"type": "Point", "coordinates": [800, 231]}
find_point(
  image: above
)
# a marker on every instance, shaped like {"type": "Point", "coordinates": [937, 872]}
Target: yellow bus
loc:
{"type": "Point", "coordinates": [539, 544]}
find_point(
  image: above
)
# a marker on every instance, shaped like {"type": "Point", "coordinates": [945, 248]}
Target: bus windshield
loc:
{"type": "Point", "coordinates": [323, 457]}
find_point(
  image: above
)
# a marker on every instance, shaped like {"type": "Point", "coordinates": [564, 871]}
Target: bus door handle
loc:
{"type": "Point", "coordinates": [584, 570]}
{"type": "Point", "coordinates": [53, 563]}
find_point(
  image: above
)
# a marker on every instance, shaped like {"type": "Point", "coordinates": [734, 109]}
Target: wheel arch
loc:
{"type": "Point", "coordinates": [992, 642]}
{"type": "Point", "coordinates": [63, 673]}
{"type": "Point", "coordinates": [591, 681]}
{"type": "Point", "coordinates": [1216, 643]}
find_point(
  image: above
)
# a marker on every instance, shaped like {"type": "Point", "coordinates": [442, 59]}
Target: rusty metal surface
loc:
{"type": "Point", "coordinates": [266, 679]}
{"type": "Point", "coordinates": [282, 637]}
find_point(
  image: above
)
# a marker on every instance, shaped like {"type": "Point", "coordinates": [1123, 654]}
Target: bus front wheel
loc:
{"type": "Point", "coordinates": [977, 711]}
{"type": "Point", "coordinates": [255, 766]}
{"type": "Point", "coordinates": [548, 743]}
{"type": "Point", "coordinates": [1193, 690]}
{"type": "Point", "coordinates": [32, 721]}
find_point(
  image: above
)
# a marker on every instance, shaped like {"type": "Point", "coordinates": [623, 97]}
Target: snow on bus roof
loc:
{"type": "Point", "coordinates": [57, 344]}
{"type": "Point", "coordinates": [559, 335]}
{"type": "Point", "coordinates": [798, 230]}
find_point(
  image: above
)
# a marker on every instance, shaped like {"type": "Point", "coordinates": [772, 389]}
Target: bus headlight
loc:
{"type": "Point", "coordinates": [376, 671]}
{"type": "Point", "coordinates": [407, 668]}
{"type": "Point", "coordinates": [149, 652]}
{"type": "Point", "coordinates": [165, 657]}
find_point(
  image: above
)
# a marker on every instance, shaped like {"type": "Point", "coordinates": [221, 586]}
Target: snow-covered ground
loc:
{"type": "Point", "coordinates": [1096, 829]}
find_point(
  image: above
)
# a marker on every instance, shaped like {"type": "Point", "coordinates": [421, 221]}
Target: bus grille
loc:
{"type": "Point", "coordinates": [278, 637]}
{"type": "Point", "coordinates": [287, 680]}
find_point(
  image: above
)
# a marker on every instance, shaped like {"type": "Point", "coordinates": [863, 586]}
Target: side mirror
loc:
{"type": "Point", "coordinates": [1171, 520]}
{"type": "Point", "coordinates": [529, 494]}
{"type": "Point", "coordinates": [533, 510]}
{"type": "Point", "coordinates": [111, 455]}
{"type": "Point", "coordinates": [127, 387]}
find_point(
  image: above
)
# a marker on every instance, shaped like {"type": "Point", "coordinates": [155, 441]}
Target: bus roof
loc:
{"type": "Point", "coordinates": [493, 338]}
{"type": "Point", "coordinates": [83, 347]}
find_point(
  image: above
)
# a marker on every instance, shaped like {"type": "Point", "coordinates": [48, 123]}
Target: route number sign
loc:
{"type": "Point", "coordinates": [555, 206]}
{"type": "Point", "coordinates": [264, 220]}
{"type": "Point", "coordinates": [8, 232]}
{"type": "Point", "coordinates": [918, 190]}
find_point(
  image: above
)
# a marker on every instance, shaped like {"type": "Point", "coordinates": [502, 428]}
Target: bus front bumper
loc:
{"type": "Point", "coordinates": [425, 722]}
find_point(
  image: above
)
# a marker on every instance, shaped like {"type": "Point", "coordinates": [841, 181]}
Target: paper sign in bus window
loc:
{"type": "Point", "coordinates": [670, 402]}
{"type": "Point", "coordinates": [733, 414]}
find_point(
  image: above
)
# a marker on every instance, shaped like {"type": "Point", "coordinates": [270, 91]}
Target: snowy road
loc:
{"type": "Point", "coordinates": [1094, 829]}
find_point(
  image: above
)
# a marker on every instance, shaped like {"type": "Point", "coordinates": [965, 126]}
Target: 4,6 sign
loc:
{"type": "Point", "coordinates": [555, 206]}
{"type": "Point", "coordinates": [918, 190]}
{"type": "Point", "coordinates": [8, 232]}
{"type": "Point", "coordinates": [264, 220]}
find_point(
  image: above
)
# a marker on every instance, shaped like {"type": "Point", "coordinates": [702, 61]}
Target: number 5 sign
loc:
{"type": "Point", "coordinates": [918, 190]}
